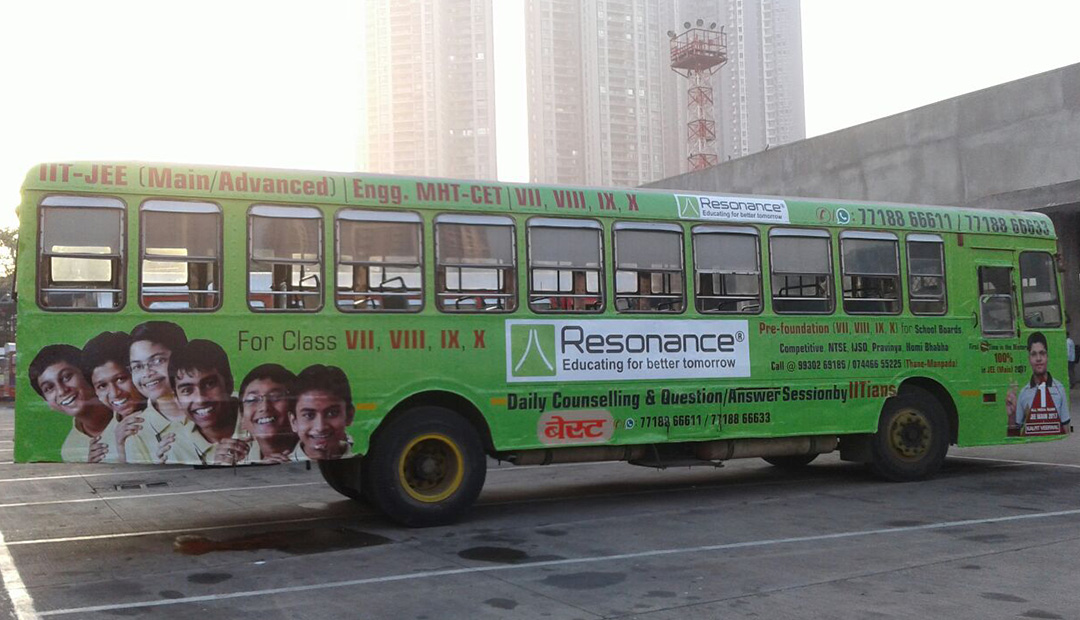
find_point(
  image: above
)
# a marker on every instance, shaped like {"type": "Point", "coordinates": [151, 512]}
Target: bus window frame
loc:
{"type": "Point", "coordinates": [830, 278]}
{"type": "Point", "coordinates": [379, 215]}
{"type": "Point", "coordinates": [1053, 279]}
{"type": "Point", "coordinates": [1011, 296]}
{"type": "Point", "coordinates": [868, 235]}
{"type": "Point", "coordinates": [576, 223]}
{"type": "Point", "coordinates": [220, 260]}
{"type": "Point", "coordinates": [321, 257]}
{"type": "Point", "coordinates": [647, 226]}
{"type": "Point", "coordinates": [712, 229]}
{"type": "Point", "coordinates": [475, 219]}
{"type": "Point", "coordinates": [122, 267]}
{"type": "Point", "coordinates": [927, 238]}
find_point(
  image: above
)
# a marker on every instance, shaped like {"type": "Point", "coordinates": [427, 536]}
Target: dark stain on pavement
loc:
{"type": "Point", "coordinates": [501, 603]}
{"type": "Point", "coordinates": [1001, 596]}
{"type": "Point", "coordinates": [584, 581]}
{"type": "Point", "coordinates": [208, 578]}
{"type": "Point", "coordinates": [293, 542]}
{"type": "Point", "coordinates": [551, 532]}
{"type": "Point", "coordinates": [504, 555]}
{"type": "Point", "coordinates": [497, 555]}
{"type": "Point", "coordinates": [987, 538]}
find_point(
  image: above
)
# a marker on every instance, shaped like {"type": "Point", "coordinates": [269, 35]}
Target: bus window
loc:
{"type": "Point", "coordinates": [870, 265]}
{"type": "Point", "coordinates": [284, 258]}
{"type": "Point", "coordinates": [180, 256]}
{"type": "Point", "coordinates": [648, 267]}
{"type": "Point", "coordinates": [379, 261]}
{"type": "Point", "coordinates": [926, 274]}
{"type": "Point", "coordinates": [1038, 290]}
{"type": "Point", "coordinates": [565, 265]}
{"type": "Point", "coordinates": [996, 302]}
{"type": "Point", "coordinates": [801, 267]}
{"type": "Point", "coordinates": [727, 269]}
{"type": "Point", "coordinates": [80, 266]}
{"type": "Point", "coordinates": [475, 263]}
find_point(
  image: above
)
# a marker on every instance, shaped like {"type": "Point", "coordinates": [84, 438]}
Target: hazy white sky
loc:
{"type": "Point", "coordinates": [270, 83]}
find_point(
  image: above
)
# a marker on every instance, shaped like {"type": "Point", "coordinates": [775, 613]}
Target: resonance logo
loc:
{"type": "Point", "coordinates": [532, 350]}
{"type": "Point", "coordinates": [731, 208]}
{"type": "Point", "coordinates": [689, 207]}
{"type": "Point", "coordinates": [628, 349]}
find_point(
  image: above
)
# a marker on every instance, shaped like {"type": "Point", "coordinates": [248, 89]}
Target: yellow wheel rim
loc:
{"type": "Point", "coordinates": [910, 435]}
{"type": "Point", "coordinates": [431, 468]}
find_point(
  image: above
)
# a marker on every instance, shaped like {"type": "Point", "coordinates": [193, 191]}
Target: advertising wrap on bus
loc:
{"type": "Point", "coordinates": [401, 331]}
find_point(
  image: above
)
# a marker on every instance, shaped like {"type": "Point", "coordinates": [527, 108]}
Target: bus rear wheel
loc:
{"type": "Point", "coordinates": [791, 461]}
{"type": "Point", "coordinates": [343, 476]}
{"type": "Point", "coordinates": [912, 437]}
{"type": "Point", "coordinates": [425, 467]}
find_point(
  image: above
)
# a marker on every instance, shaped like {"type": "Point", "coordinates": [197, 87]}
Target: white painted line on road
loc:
{"type": "Point", "coordinates": [155, 495]}
{"type": "Point", "coordinates": [182, 530]}
{"type": "Point", "coordinates": [564, 562]}
{"type": "Point", "coordinates": [13, 584]}
{"type": "Point", "coordinates": [96, 475]}
{"type": "Point", "coordinates": [1016, 462]}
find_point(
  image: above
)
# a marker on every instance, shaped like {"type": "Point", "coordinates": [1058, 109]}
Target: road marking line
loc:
{"type": "Point", "coordinates": [564, 562]}
{"type": "Point", "coordinates": [155, 495]}
{"type": "Point", "coordinates": [1015, 462]}
{"type": "Point", "coordinates": [97, 475]}
{"type": "Point", "coordinates": [13, 584]}
{"type": "Point", "coordinates": [182, 530]}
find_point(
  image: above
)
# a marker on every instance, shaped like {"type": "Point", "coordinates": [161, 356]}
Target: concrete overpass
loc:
{"type": "Point", "coordinates": [1013, 146]}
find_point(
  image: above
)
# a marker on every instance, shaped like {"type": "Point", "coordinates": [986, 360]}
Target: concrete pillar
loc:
{"type": "Point", "coordinates": [1067, 225]}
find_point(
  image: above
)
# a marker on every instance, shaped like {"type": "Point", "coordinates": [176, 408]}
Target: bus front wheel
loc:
{"type": "Point", "coordinates": [343, 476]}
{"type": "Point", "coordinates": [425, 467]}
{"type": "Point", "coordinates": [912, 437]}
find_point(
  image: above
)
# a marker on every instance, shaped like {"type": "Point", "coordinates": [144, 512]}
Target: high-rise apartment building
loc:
{"type": "Point", "coordinates": [430, 88]}
{"type": "Point", "coordinates": [759, 92]}
{"type": "Point", "coordinates": [605, 107]}
{"type": "Point", "coordinates": [602, 101]}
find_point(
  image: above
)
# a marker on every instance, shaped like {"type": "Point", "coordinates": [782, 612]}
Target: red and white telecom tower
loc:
{"type": "Point", "coordinates": [697, 54]}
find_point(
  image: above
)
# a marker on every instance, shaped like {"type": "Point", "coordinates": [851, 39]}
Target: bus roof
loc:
{"type": "Point", "coordinates": [407, 192]}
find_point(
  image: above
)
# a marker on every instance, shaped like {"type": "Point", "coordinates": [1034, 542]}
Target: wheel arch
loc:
{"type": "Point", "coordinates": [938, 391]}
{"type": "Point", "coordinates": [448, 400]}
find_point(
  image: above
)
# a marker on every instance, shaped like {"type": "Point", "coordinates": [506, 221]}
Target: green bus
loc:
{"type": "Point", "coordinates": [400, 331]}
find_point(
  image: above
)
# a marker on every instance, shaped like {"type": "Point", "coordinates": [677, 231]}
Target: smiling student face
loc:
{"type": "Point", "coordinates": [266, 407]}
{"type": "Point", "coordinates": [202, 395]}
{"type": "Point", "coordinates": [320, 421]}
{"type": "Point", "coordinates": [1037, 357]}
{"type": "Point", "coordinates": [65, 389]}
{"type": "Point", "coordinates": [113, 385]}
{"type": "Point", "coordinates": [149, 368]}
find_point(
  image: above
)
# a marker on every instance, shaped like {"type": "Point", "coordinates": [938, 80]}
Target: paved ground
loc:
{"type": "Point", "coordinates": [995, 535]}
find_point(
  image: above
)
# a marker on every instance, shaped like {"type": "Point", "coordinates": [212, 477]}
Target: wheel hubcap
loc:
{"type": "Point", "coordinates": [431, 468]}
{"type": "Point", "coordinates": [909, 435]}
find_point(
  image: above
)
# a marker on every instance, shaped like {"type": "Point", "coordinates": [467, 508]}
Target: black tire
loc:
{"type": "Point", "coordinates": [343, 476]}
{"type": "Point", "coordinates": [425, 467]}
{"type": "Point", "coordinates": [791, 462]}
{"type": "Point", "coordinates": [912, 437]}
